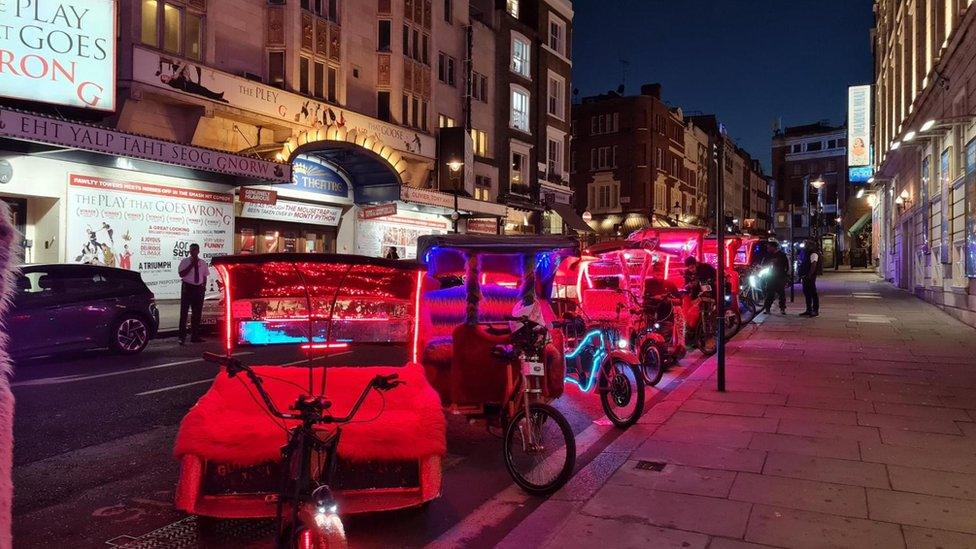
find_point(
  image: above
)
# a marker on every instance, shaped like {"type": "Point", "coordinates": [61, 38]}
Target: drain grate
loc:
{"type": "Point", "coordinates": [650, 465]}
{"type": "Point", "coordinates": [191, 532]}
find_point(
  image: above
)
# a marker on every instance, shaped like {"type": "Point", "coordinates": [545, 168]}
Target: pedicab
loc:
{"type": "Point", "coordinates": [733, 249]}
{"type": "Point", "coordinates": [489, 347]}
{"type": "Point", "coordinates": [265, 443]}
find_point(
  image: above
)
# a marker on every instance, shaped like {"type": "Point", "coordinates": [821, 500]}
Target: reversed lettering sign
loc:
{"type": "Point", "coordinates": [382, 210]}
{"type": "Point", "coordinates": [258, 196]}
{"type": "Point", "coordinates": [58, 52]}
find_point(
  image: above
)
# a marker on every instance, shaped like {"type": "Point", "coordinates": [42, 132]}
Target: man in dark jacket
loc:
{"type": "Point", "coordinates": [779, 268]}
{"type": "Point", "coordinates": [808, 269]}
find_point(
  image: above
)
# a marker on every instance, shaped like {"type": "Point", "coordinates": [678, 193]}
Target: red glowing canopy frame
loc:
{"type": "Point", "coordinates": [320, 301]}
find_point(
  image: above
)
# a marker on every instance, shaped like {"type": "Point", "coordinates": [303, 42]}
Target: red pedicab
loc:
{"type": "Point", "coordinates": [733, 253]}
{"type": "Point", "coordinates": [475, 350]}
{"type": "Point", "coordinates": [230, 446]}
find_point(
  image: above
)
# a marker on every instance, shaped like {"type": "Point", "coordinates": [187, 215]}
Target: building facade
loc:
{"type": "Point", "coordinates": [801, 156]}
{"type": "Point", "coordinates": [340, 108]}
{"type": "Point", "coordinates": [924, 189]}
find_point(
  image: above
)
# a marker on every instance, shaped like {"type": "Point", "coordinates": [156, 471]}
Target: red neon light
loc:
{"type": "Point", "coordinates": [416, 316]}
{"type": "Point", "coordinates": [229, 320]}
{"type": "Point", "coordinates": [667, 265]}
{"type": "Point", "coordinates": [317, 346]}
{"type": "Point", "coordinates": [584, 267]}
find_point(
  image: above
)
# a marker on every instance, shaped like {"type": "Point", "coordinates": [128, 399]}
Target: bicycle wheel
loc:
{"type": "Point", "coordinates": [733, 321]}
{"type": "Point", "coordinates": [540, 449]}
{"type": "Point", "coordinates": [652, 364]}
{"type": "Point", "coordinates": [707, 343]}
{"type": "Point", "coordinates": [623, 396]}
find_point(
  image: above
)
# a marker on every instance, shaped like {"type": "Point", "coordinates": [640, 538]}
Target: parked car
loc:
{"type": "Point", "coordinates": [76, 307]}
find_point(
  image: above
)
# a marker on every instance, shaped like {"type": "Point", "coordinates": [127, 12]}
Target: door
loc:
{"type": "Point", "coordinates": [31, 322]}
{"type": "Point", "coordinates": [18, 216]}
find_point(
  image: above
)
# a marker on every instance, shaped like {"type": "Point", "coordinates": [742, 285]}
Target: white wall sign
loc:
{"type": "Point", "coordinates": [30, 127]}
{"type": "Point", "coordinates": [178, 74]}
{"type": "Point", "coordinates": [60, 52]}
{"type": "Point", "coordinates": [295, 212]}
{"type": "Point", "coordinates": [146, 227]}
{"type": "Point", "coordinates": [859, 126]}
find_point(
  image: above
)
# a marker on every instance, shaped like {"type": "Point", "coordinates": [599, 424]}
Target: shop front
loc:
{"type": "Point", "coordinates": [87, 194]}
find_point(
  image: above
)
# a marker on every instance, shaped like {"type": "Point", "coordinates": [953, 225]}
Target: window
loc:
{"type": "Point", "coordinates": [276, 68]}
{"type": "Point", "coordinates": [831, 143]}
{"type": "Point", "coordinates": [520, 109]}
{"type": "Point", "coordinates": [797, 148]}
{"type": "Point", "coordinates": [426, 50]}
{"type": "Point", "coordinates": [444, 121]}
{"type": "Point", "coordinates": [169, 27]}
{"type": "Point", "coordinates": [449, 10]}
{"type": "Point", "coordinates": [659, 159]}
{"type": "Point", "coordinates": [603, 197]}
{"type": "Point", "coordinates": [555, 157]}
{"type": "Point", "coordinates": [406, 41]}
{"type": "Point", "coordinates": [520, 56]}
{"type": "Point", "coordinates": [603, 158]}
{"type": "Point", "coordinates": [480, 141]}
{"type": "Point", "coordinates": [303, 75]}
{"type": "Point", "coordinates": [519, 175]}
{"type": "Point", "coordinates": [333, 86]}
{"type": "Point", "coordinates": [383, 35]}
{"type": "Point", "coordinates": [479, 87]}
{"type": "Point", "coordinates": [814, 146]}
{"type": "Point", "coordinates": [604, 123]}
{"type": "Point", "coordinates": [512, 7]}
{"type": "Point", "coordinates": [556, 105]}
{"type": "Point", "coordinates": [416, 45]}
{"type": "Point", "coordinates": [557, 32]}
{"type": "Point", "coordinates": [319, 79]}
{"type": "Point", "coordinates": [445, 68]}
{"type": "Point", "coordinates": [660, 197]}
{"type": "Point", "coordinates": [383, 106]}
{"type": "Point", "coordinates": [415, 112]}
{"type": "Point", "coordinates": [482, 188]}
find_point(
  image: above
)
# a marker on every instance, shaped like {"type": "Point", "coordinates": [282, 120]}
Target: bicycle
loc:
{"type": "Point", "coordinates": [532, 448]}
{"type": "Point", "coordinates": [313, 520]}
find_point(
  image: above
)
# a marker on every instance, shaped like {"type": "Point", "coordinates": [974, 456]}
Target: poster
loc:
{"type": "Point", "coordinates": [945, 188]}
{"type": "Point", "coordinates": [858, 126]}
{"type": "Point", "coordinates": [294, 212]}
{"type": "Point", "coordinates": [146, 227]}
{"type": "Point", "coordinates": [375, 237]}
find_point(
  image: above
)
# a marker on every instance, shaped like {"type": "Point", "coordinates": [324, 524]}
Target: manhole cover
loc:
{"type": "Point", "coordinates": [650, 465]}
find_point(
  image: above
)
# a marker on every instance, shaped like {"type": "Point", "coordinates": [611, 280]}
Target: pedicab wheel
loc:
{"type": "Point", "coordinates": [733, 320]}
{"type": "Point", "coordinates": [542, 464]}
{"type": "Point", "coordinates": [706, 342]}
{"type": "Point", "coordinates": [652, 364]}
{"type": "Point", "coordinates": [623, 398]}
{"type": "Point", "coordinates": [749, 304]}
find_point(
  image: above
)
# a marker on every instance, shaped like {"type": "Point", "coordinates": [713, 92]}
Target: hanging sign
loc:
{"type": "Point", "coordinates": [381, 210]}
{"type": "Point", "coordinates": [258, 196]}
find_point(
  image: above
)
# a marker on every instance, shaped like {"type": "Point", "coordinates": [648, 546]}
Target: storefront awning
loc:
{"type": "Point", "coordinates": [57, 138]}
{"type": "Point", "coordinates": [571, 218]}
{"type": "Point", "coordinates": [859, 225]}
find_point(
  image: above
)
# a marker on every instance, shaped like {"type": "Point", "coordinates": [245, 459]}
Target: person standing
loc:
{"type": "Point", "coordinates": [193, 274]}
{"type": "Point", "coordinates": [779, 268]}
{"type": "Point", "coordinates": [808, 269]}
{"type": "Point", "coordinates": [392, 253]}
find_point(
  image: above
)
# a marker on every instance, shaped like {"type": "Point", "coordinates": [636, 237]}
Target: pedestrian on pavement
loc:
{"type": "Point", "coordinates": [193, 272]}
{"type": "Point", "coordinates": [808, 269]}
{"type": "Point", "coordinates": [779, 268]}
{"type": "Point", "coordinates": [392, 253]}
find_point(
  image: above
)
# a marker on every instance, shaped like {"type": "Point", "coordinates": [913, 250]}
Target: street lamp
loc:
{"type": "Point", "coordinates": [454, 167]}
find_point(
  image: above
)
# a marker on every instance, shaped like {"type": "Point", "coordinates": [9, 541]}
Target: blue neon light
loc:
{"type": "Point", "coordinates": [597, 359]}
{"type": "Point", "coordinates": [259, 332]}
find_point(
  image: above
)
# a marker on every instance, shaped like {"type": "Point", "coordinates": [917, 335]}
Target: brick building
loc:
{"type": "Point", "coordinates": [925, 150]}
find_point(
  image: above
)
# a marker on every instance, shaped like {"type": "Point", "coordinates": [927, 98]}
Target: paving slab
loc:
{"type": "Point", "coordinates": [930, 412]}
{"type": "Point", "coordinates": [923, 458]}
{"type": "Point", "coordinates": [623, 533]}
{"type": "Point", "coordinates": [811, 446]}
{"type": "Point", "coordinates": [725, 543]}
{"type": "Point", "coordinates": [675, 478]}
{"type": "Point", "coordinates": [927, 538]}
{"type": "Point", "coordinates": [780, 526]}
{"type": "Point", "coordinates": [701, 455]}
{"type": "Point", "coordinates": [824, 469]}
{"type": "Point", "coordinates": [707, 515]}
{"type": "Point", "coordinates": [936, 483]}
{"type": "Point", "coordinates": [922, 510]}
{"type": "Point", "coordinates": [809, 495]}
{"type": "Point", "coordinates": [813, 415]}
{"type": "Point", "coordinates": [905, 423]}
{"type": "Point", "coordinates": [728, 408]}
{"type": "Point", "coordinates": [830, 403]}
{"type": "Point", "coordinates": [809, 428]}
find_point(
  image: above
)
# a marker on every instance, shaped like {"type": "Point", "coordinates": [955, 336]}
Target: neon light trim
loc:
{"type": "Point", "coordinates": [667, 266]}
{"type": "Point", "coordinates": [597, 360]}
{"type": "Point", "coordinates": [416, 316]}
{"type": "Point", "coordinates": [317, 346]}
{"type": "Point", "coordinates": [229, 320]}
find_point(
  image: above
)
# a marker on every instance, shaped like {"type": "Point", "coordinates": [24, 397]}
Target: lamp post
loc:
{"type": "Point", "coordinates": [454, 167]}
{"type": "Point", "coordinates": [818, 184]}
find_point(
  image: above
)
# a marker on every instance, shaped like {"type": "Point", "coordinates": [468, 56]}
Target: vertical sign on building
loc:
{"type": "Point", "coordinates": [59, 52]}
{"type": "Point", "coordinates": [858, 126]}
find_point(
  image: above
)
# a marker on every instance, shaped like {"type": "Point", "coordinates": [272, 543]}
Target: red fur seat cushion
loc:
{"type": "Point", "coordinates": [228, 425]}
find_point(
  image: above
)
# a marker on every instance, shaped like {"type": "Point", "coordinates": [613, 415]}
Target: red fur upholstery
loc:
{"type": "Point", "coordinates": [227, 425]}
{"type": "Point", "coordinates": [603, 305]}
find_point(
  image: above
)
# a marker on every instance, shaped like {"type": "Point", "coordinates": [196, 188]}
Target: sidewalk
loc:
{"type": "Point", "coordinates": [854, 429]}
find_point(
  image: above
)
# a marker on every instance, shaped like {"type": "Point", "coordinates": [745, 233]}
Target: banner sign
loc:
{"type": "Point", "coordinates": [483, 226]}
{"type": "Point", "coordinates": [859, 126]}
{"type": "Point", "coordinates": [60, 52]}
{"type": "Point", "coordinates": [147, 228]}
{"type": "Point", "coordinates": [445, 200]}
{"type": "Point", "coordinates": [31, 127]}
{"type": "Point", "coordinates": [316, 177]}
{"type": "Point", "coordinates": [185, 77]}
{"type": "Point", "coordinates": [258, 196]}
{"type": "Point", "coordinates": [382, 210]}
{"type": "Point", "coordinates": [294, 212]}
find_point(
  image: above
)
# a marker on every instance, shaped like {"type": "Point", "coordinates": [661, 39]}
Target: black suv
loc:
{"type": "Point", "coordinates": [61, 308]}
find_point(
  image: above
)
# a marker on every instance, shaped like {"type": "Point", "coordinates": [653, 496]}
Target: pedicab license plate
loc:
{"type": "Point", "coordinates": [533, 368]}
{"type": "Point", "coordinates": [706, 287]}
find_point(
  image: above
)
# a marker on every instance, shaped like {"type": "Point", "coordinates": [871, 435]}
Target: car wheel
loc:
{"type": "Point", "coordinates": [130, 335]}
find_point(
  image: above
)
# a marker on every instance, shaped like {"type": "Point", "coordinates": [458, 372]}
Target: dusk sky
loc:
{"type": "Point", "coordinates": [748, 61]}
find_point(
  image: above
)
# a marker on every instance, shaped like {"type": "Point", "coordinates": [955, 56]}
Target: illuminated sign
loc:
{"type": "Point", "coordinates": [318, 178]}
{"type": "Point", "coordinates": [860, 174]}
{"type": "Point", "coordinates": [859, 126]}
{"type": "Point", "coordinates": [59, 52]}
